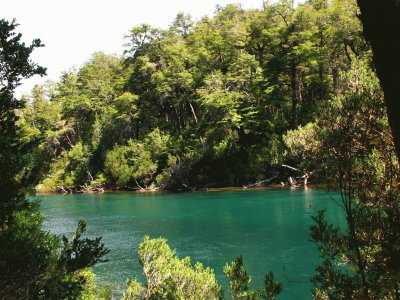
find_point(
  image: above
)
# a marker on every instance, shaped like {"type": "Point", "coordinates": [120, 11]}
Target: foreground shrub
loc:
{"type": "Point", "coordinates": [169, 277]}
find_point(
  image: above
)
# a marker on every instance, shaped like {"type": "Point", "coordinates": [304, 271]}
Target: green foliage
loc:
{"type": "Point", "coordinates": [303, 141]}
{"type": "Point", "coordinates": [79, 253]}
{"type": "Point", "coordinates": [138, 162]}
{"type": "Point", "coordinates": [125, 106]}
{"type": "Point", "coordinates": [302, 146]}
{"type": "Point", "coordinates": [360, 261]}
{"type": "Point", "coordinates": [33, 264]}
{"type": "Point", "coordinates": [15, 65]}
{"type": "Point", "coordinates": [217, 97]}
{"type": "Point", "coordinates": [238, 278]}
{"type": "Point", "coordinates": [55, 177]}
{"type": "Point", "coordinates": [27, 253]}
{"type": "Point", "coordinates": [239, 281]}
{"type": "Point", "coordinates": [271, 288]}
{"type": "Point", "coordinates": [169, 277]}
{"type": "Point", "coordinates": [117, 165]}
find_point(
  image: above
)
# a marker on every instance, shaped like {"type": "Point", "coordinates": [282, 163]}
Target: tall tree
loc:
{"type": "Point", "coordinates": [361, 261]}
{"type": "Point", "coordinates": [381, 20]}
{"type": "Point", "coordinates": [15, 65]}
{"type": "Point", "coordinates": [33, 263]}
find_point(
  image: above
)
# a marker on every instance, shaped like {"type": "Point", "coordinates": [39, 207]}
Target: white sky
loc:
{"type": "Point", "coordinates": [73, 30]}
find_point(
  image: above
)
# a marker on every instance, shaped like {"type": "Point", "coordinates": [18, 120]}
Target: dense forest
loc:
{"type": "Point", "coordinates": [221, 102]}
{"type": "Point", "coordinates": [226, 100]}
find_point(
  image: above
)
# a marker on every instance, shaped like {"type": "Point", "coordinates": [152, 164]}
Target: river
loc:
{"type": "Point", "coordinates": [269, 227]}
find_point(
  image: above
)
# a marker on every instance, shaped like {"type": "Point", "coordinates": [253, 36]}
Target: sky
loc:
{"type": "Point", "coordinates": [75, 29]}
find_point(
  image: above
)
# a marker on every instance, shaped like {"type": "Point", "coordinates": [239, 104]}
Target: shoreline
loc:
{"type": "Point", "coordinates": [213, 189]}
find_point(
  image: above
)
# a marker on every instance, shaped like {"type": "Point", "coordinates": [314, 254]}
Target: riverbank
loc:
{"type": "Point", "coordinates": [201, 189]}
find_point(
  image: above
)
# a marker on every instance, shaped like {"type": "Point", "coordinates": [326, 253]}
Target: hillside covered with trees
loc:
{"type": "Point", "coordinates": [202, 104]}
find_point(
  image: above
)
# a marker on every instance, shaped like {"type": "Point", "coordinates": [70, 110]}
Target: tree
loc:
{"type": "Point", "coordinates": [20, 259]}
{"type": "Point", "coordinates": [138, 163]}
{"type": "Point", "coordinates": [169, 277]}
{"type": "Point", "coordinates": [29, 257]}
{"type": "Point", "coordinates": [14, 66]}
{"type": "Point", "coordinates": [361, 260]}
{"type": "Point", "coordinates": [239, 280]}
{"type": "Point", "coordinates": [183, 24]}
{"type": "Point", "coordinates": [381, 20]}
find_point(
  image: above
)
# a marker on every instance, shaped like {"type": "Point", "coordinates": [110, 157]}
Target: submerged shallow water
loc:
{"type": "Point", "coordinates": [270, 228]}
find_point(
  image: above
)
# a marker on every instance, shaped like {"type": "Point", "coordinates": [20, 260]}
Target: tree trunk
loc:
{"type": "Point", "coordinates": [295, 100]}
{"type": "Point", "coordinates": [335, 78]}
{"type": "Point", "coordinates": [193, 112]}
{"type": "Point", "coordinates": [381, 20]}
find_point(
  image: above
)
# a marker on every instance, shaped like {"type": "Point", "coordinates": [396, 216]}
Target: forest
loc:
{"type": "Point", "coordinates": [224, 101]}
{"type": "Point", "coordinates": [221, 102]}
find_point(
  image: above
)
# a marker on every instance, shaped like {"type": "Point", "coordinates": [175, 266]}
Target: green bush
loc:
{"type": "Point", "coordinates": [169, 277]}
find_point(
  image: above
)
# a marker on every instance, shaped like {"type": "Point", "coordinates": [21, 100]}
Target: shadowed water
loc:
{"type": "Point", "coordinates": [268, 227]}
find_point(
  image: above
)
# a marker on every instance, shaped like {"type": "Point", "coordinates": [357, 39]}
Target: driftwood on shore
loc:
{"type": "Point", "coordinates": [140, 187]}
{"type": "Point", "coordinates": [297, 181]}
{"type": "Point", "coordinates": [188, 188]}
{"type": "Point", "coordinates": [92, 186]}
{"type": "Point", "coordinates": [84, 189]}
{"type": "Point", "coordinates": [64, 189]}
{"type": "Point", "coordinates": [262, 182]}
{"type": "Point", "coordinates": [289, 167]}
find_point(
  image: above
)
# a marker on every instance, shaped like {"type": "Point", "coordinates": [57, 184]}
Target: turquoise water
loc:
{"type": "Point", "coordinates": [268, 227]}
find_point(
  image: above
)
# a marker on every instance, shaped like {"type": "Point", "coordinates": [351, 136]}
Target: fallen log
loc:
{"type": "Point", "coordinates": [189, 188]}
{"type": "Point", "coordinates": [141, 188]}
{"type": "Point", "coordinates": [296, 181]}
{"type": "Point", "coordinates": [262, 182]}
{"type": "Point", "coordinates": [289, 167]}
{"type": "Point", "coordinates": [64, 189]}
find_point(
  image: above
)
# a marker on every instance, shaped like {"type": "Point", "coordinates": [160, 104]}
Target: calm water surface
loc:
{"type": "Point", "coordinates": [268, 227]}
